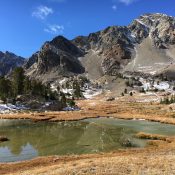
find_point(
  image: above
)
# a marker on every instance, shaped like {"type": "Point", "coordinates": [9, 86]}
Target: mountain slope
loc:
{"type": "Point", "coordinates": [9, 61]}
{"type": "Point", "coordinates": [147, 45]}
{"type": "Point", "coordinates": [154, 51]}
{"type": "Point", "coordinates": [114, 45]}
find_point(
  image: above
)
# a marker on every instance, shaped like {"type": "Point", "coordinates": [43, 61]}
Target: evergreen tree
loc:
{"type": "Point", "coordinates": [58, 88]}
{"type": "Point", "coordinates": [27, 86]}
{"type": "Point", "coordinates": [71, 103]}
{"type": "Point", "coordinates": [18, 81]}
{"type": "Point", "coordinates": [63, 100]}
{"type": "Point", "coordinates": [77, 90]}
{"type": "Point", "coordinates": [166, 100]}
{"type": "Point", "coordinates": [172, 99]}
{"type": "Point", "coordinates": [5, 88]}
{"type": "Point", "coordinates": [37, 88]}
{"type": "Point", "coordinates": [67, 85]}
{"type": "Point", "coordinates": [142, 90]}
{"type": "Point", "coordinates": [127, 83]}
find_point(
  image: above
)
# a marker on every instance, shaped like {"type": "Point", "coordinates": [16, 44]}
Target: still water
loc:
{"type": "Point", "coordinates": [29, 139]}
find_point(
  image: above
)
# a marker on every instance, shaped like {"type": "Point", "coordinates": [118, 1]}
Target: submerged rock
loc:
{"type": "Point", "coordinates": [127, 143]}
{"type": "Point", "coordinates": [3, 139]}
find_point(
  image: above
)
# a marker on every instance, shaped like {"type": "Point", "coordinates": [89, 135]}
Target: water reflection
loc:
{"type": "Point", "coordinates": [29, 139]}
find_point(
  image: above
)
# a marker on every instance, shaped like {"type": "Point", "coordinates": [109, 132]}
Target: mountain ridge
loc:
{"type": "Point", "coordinates": [146, 45]}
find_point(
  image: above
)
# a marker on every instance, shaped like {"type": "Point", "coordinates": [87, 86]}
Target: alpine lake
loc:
{"type": "Point", "coordinates": [29, 139]}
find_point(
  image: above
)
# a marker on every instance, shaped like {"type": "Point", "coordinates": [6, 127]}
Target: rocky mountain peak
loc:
{"type": "Point", "coordinates": [159, 27]}
{"type": "Point", "coordinates": [154, 20]}
{"type": "Point", "coordinates": [9, 61]}
{"type": "Point", "coordinates": [11, 55]}
{"type": "Point", "coordinates": [59, 39]}
{"type": "Point", "coordinates": [55, 58]}
{"type": "Point", "coordinates": [60, 43]}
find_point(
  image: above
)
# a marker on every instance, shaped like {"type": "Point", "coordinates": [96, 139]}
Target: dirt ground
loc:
{"type": "Point", "coordinates": [157, 158]}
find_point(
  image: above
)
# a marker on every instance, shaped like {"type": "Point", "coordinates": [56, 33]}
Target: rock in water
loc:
{"type": "Point", "coordinates": [3, 139]}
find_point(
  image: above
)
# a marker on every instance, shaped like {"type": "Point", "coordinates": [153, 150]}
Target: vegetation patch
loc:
{"type": "Point", "coordinates": [142, 135]}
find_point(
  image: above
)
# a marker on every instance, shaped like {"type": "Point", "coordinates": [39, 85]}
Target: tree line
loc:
{"type": "Point", "coordinates": [19, 84]}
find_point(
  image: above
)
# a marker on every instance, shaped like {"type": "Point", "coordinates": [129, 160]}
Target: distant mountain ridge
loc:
{"type": "Point", "coordinates": [146, 46]}
{"type": "Point", "coordinates": [9, 61]}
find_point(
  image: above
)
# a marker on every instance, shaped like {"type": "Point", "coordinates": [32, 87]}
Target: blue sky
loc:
{"type": "Point", "coordinates": [26, 24]}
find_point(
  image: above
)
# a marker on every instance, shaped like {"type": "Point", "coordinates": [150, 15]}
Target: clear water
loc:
{"type": "Point", "coordinates": [29, 139]}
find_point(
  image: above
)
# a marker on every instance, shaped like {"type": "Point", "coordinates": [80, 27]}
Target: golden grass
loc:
{"type": "Point", "coordinates": [158, 158]}
{"type": "Point", "coordinates": [148, 161]}
{"type": "Point", "coordinates": [99, 107]}
{"type": "Point", "coordinates": [143, 135]}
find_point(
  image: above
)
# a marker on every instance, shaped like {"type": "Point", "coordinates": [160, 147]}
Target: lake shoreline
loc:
{"type": "Point", "coordinates": [64, 164]}
{"type": "Point", "coordinates": [128, 111]}
{"type": "Point", "coordinates": [97, 108]}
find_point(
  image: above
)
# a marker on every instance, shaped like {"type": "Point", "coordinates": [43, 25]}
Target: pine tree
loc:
{"type": "Point", "coordinates": [71, 103]}
{"type": "Point", "coordinates": [63, 100]}
{"type": "Point", "coordinates": [58, 88]}
{"type": "Point", "coordinates": [5, 89]}
{"type": "Point", "coordinates": [27, 86]}
{"type": "Point", "coordinates": [171, 100]}
{"type": "Point", "coordinates": [127, 83]}
{"type": "Point", "coordinates": [18, 81]}
{"type": "Point", "coordinates": [166, 100]}
{"type": "Point", "coordinates": [77, 90]}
